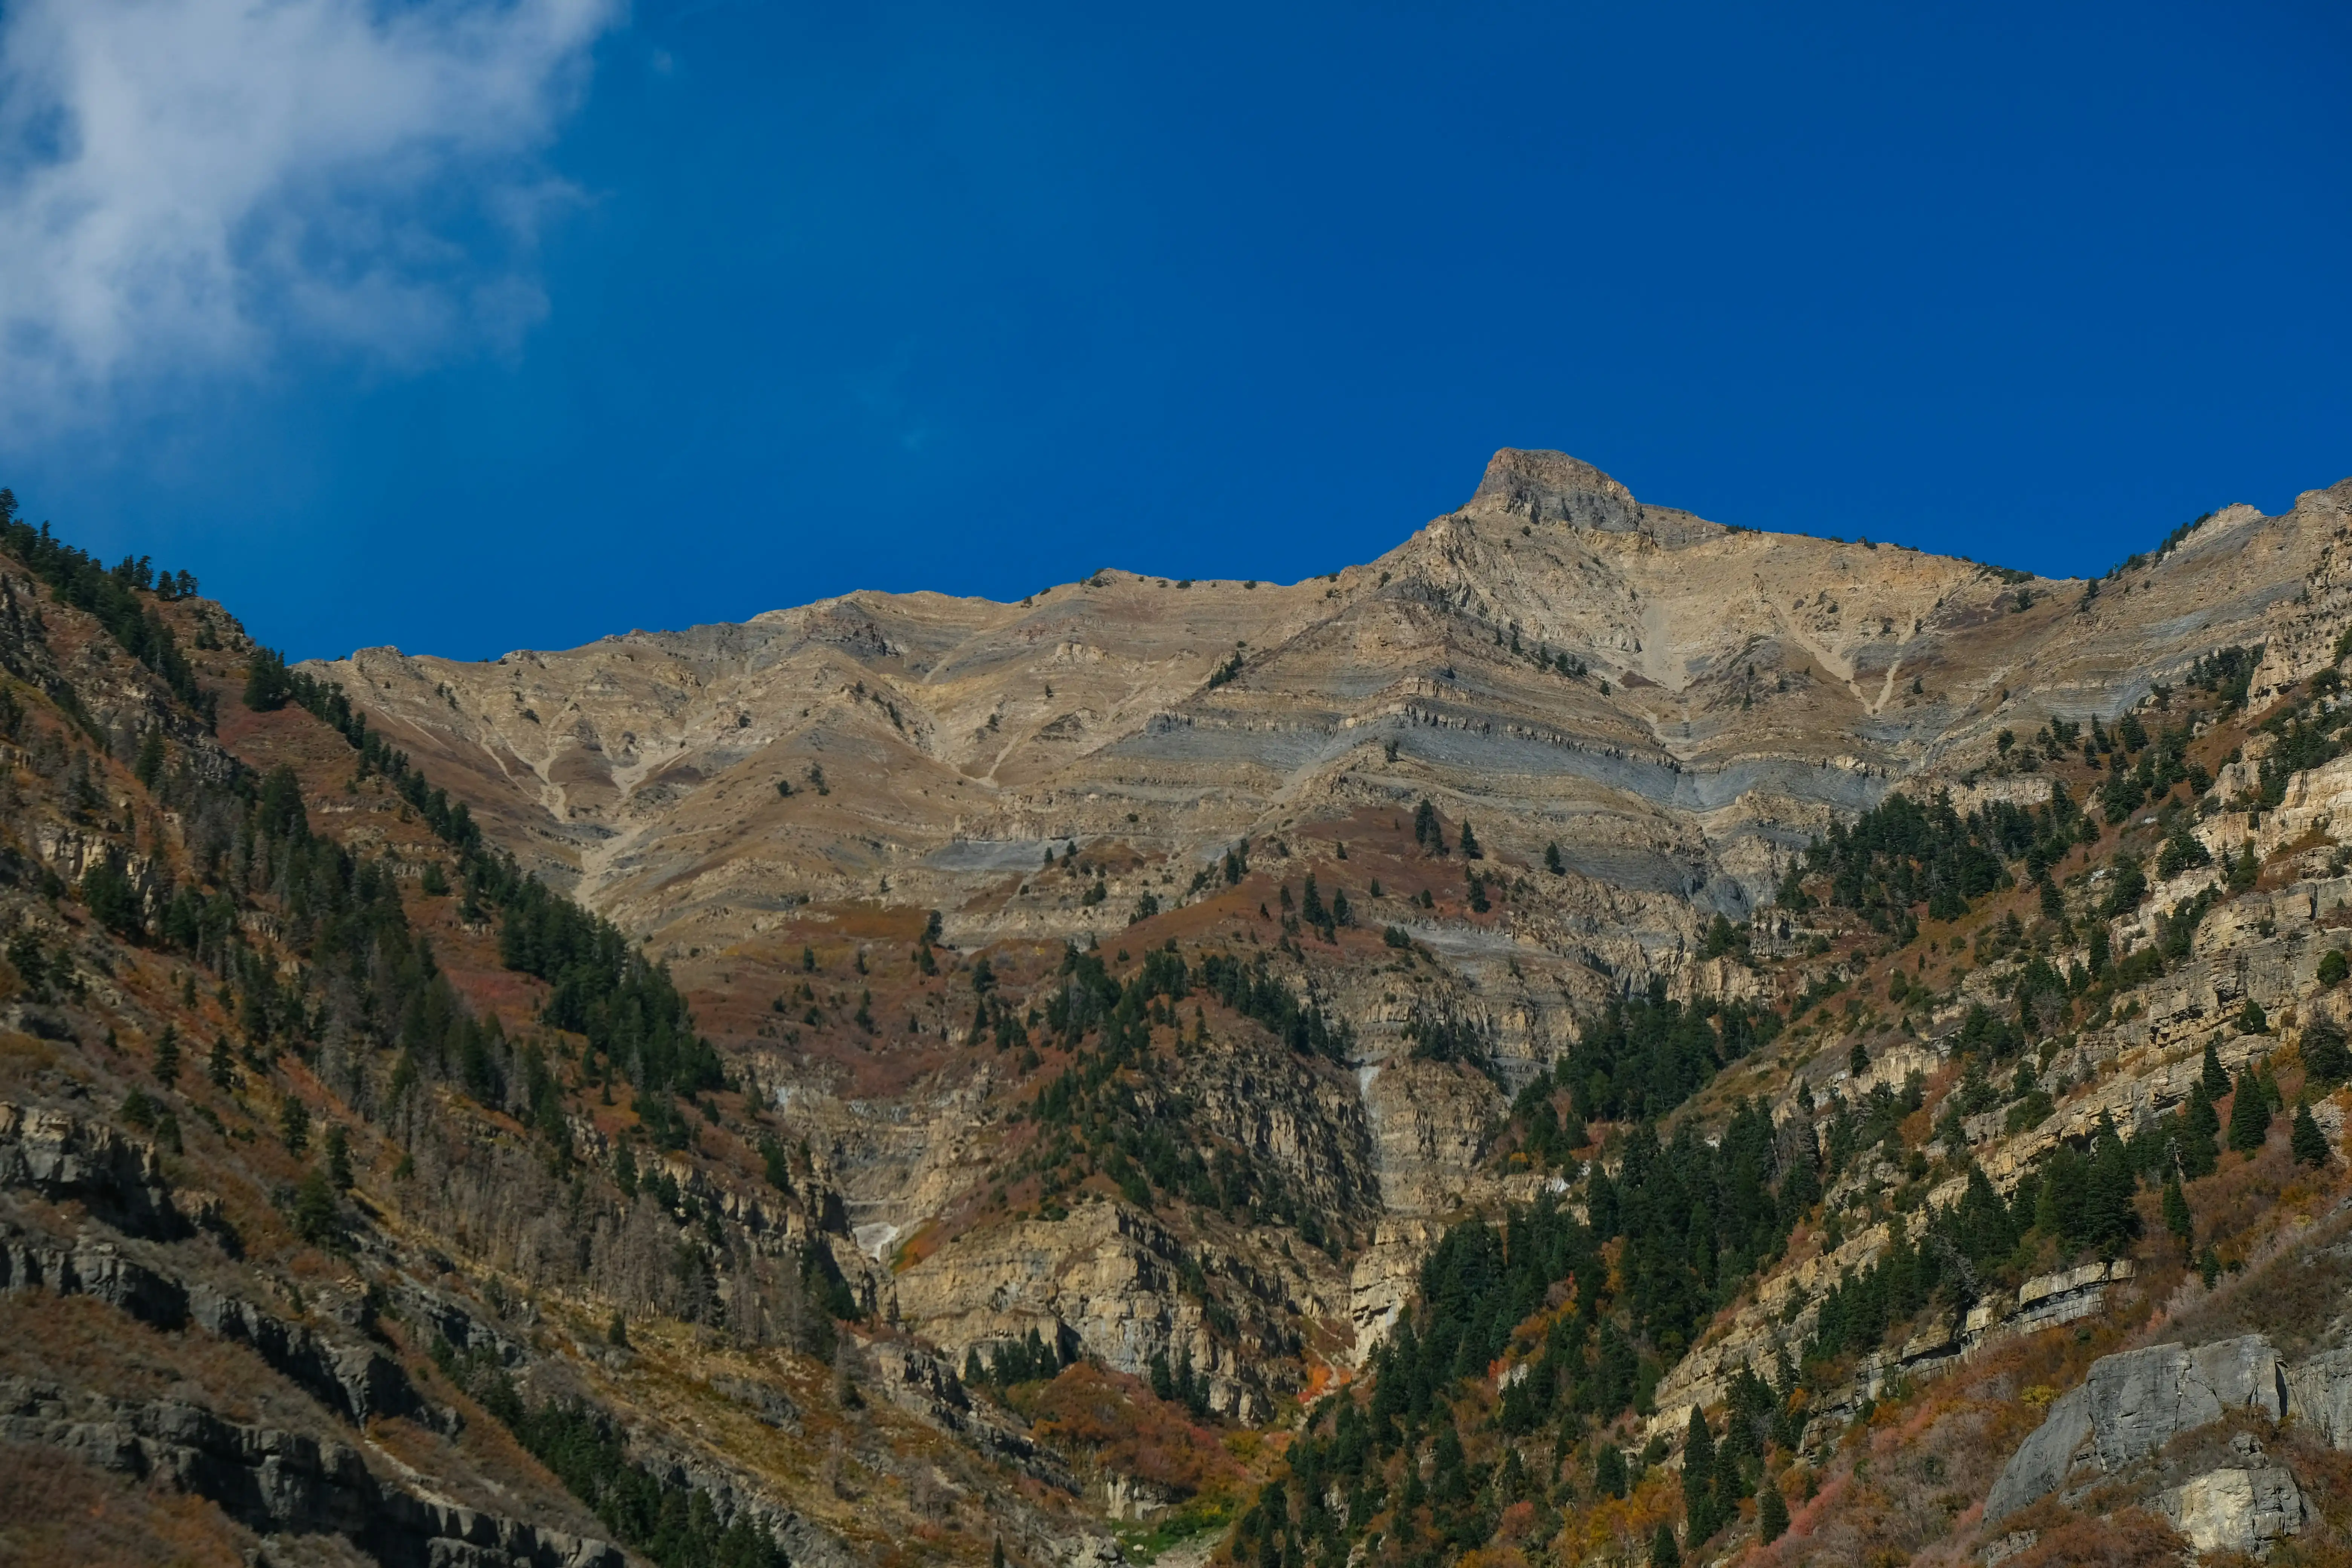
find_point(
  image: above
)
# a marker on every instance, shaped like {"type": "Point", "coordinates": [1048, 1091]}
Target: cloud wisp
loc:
{"type": "Point", "coordinates": [190, 187]}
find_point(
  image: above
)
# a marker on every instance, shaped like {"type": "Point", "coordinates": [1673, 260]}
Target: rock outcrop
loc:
{"type": "Point", "coordinates": [284, 1483]}
{"type": "Point", "coordinates": [2130, 1407]}
{"type": "Point", "coordinates": [2247, 1508]}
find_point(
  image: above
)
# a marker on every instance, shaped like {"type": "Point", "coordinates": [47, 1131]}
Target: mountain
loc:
{"type": "Point", "coordinates": [1596, 1034]}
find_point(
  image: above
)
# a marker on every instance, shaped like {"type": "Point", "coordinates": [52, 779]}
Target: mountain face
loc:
{"type": "Point", "coordinates": [1597, 1035]}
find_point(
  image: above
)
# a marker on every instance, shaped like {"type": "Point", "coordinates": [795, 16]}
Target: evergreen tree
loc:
{"type": "Point", "coordinates": [2310, 1143]}
{"type": "Point", "coordinates": [148, 768]}
{"type": "Point", "coordinates": [2325, 1057]}
{"type": "Point", "coordinates": [2110, 1219]}
{"type": "Point", "coordinates": [1427, 831]}
{"type": "Point", "coordinates": [2251, 1019]}
{"type": "Point", "coordinates": [167, 1057]}
{"type": "Point", "coordinates": [1470, 848]}
{"type": "Point", "coordinates": [317, 1218]}
{"type": "Point", "coordinates": [1698, 1471]}
{"type": "Point", "coordinates": [1551, 860]}
{"type": "Point", "coordinates": [294, 1124]}
{"type": "Point", "coordinates": [266, 684]}
{"type": "Point", "coordinates": [220, 1067]}
{"type": "Point", "coordinates": [1608, 1478]}
{"type": "Point", "coordinates": [1771, 1514]}
{"type": "Point", "coordinates": [2199, 1150]}
{"type": "Point", "coordinates": [1661, 1548]}
{"type": "Point", "coordinates": [2059, 1202]}
{"type": "Point", "coordinates": [2216, 1081]}
{"type": "Point", "coordinates": [2177, 1218]}
{"type": "Point", "coordinates": [338, 1157]}
{"type": "Point", "coordinates": [2249, 1115]}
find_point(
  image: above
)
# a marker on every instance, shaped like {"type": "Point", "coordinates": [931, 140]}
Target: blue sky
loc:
{"type": "Point", "coordinates": [503, 324]}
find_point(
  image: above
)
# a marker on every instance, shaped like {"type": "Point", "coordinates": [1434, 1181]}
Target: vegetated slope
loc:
{"type": "Point", "coordinates": [360, 1200]}
{"type": "Point", "coordinates": [1634, 717]}
{"type": "Point", "coordinates": [2061, 1095]}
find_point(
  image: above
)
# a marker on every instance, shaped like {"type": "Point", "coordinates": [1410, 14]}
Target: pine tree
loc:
{"type": "Point", "coordinates": [167, 1057]}
{"type": "Point", "coordinates": [1609, 1476]}
{"type": "Point", "coordinates": [1771, 1514]}
{"type": "Point", "coordinates": [317, 1218]}
{"type": "Point", "coordinates": [2110, 1218]}
{"type": "Point", "coordinates": [1427, 831]}
{"type": "Point", "coordinates": [2309, 1143]}
{"type": "Point", "coordinates": [2249, 1115]}
{"type": "Point", "coordinates": [221, 1069]}
{"type": "Point", "coordinates": [2177, 1218]}
{"type": "Point", "coordinates": [1551, 860]}
{"type": "Point", "coordinates": [294, 1124]}
{"type": "Point", "coordinates": [2325, 1057]}
{"type": "Point", "coordinates": [2216, 1081]}
{"type": "Point", "coordinates": [2251, 1019]}
{"type": "Point", "coordinates": [338, 1157]}
{"type": "Point", "coordinates": [1661, 1548]}
{"type": "Point", "coordinates": [1470, 849]}
{"type": "Point", "coordinates": [149, 765]}
{"type": "Point", "coordinates": [2059, 1202]}
{"type": "Point", "coordinates": [1698, 1470]}
{"type": "Point", "coordinates": [2200, 1150]}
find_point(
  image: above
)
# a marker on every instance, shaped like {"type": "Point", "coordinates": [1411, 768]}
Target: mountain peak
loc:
{"type": "Point", "coordinates": [1552, 487]}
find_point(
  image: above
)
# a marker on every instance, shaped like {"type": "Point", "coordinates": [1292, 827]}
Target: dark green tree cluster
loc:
{"type": "Point", "coordinates": [1030, 1359]}
{"type": "Point", "coordinates": [670, 1522]}
{"type": "Point", "coordinates": [1697, 1221]}
{"type": "Point", "coordinates": [1901, 854]}
{"type": "Point", "coordinates": [1256, 994]}
{"type": "Point", "coordinates": [112, 597]}
{"type": "Point", "coordinates": [2228, 673]}
{"type": "Point", "coordinates": [2162, 764]}
{"type": "Point", "coordinates": [1644, 1056]}
{"type": "Point", "coordinates": [1545, 1120]}
{"type": "Point", "coordinates": [1179, 1384]}
{"type": "Point", "coordinates": [604, 989]}
{"type": "Point", "coordinates": [1105, 1113]}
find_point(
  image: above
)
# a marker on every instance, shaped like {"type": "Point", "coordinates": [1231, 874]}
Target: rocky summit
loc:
{"type": "Point", "coordinates": [1595, 1036]}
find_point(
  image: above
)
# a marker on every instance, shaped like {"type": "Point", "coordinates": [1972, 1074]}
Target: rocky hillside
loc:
{"type": "Point", "coordinates": [1595, 1036]}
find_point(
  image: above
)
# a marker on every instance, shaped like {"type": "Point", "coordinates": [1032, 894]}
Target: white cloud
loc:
{"type": "Point", "coordinates": [188, 186]}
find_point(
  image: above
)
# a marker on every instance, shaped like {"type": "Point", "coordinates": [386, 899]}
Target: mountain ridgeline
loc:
{"type": "Point", "coordinates": [1595, 1036]}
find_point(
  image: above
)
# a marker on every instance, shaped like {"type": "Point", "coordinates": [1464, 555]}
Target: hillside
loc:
{"type": "Point", "coordinates": [1596, 1036]}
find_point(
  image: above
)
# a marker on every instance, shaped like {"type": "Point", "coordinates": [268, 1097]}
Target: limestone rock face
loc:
{"type": "Point", "coordinates": [2247, 1510]}
{"type": "Point", "coordinates": [2319, 1392]}
{"type": "Point", "coordinates": [2131, 1405]}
